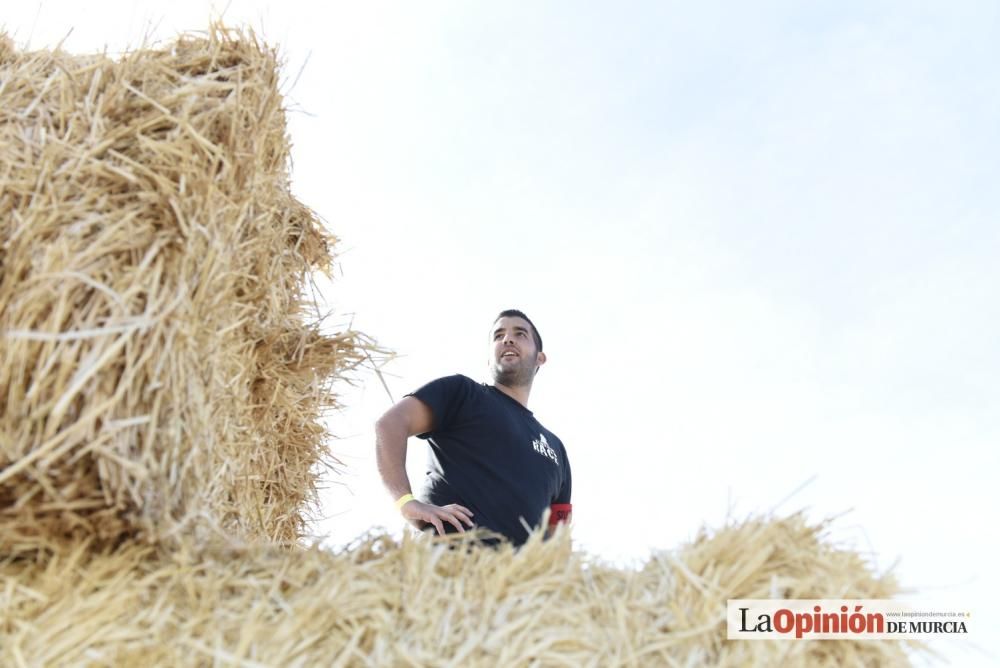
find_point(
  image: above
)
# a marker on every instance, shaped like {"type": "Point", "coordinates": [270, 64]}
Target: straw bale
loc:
{"type": "Point", "coordinates": [162, 371]}
{"type": "Point", "coordinates": [418, 603]}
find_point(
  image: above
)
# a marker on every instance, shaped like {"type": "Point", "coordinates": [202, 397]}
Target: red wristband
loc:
{"type": "Point", "coordinates": [560, 513]}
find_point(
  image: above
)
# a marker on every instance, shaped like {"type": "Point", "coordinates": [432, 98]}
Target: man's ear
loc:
{"type": "Point", "coordinates": [540, 359]}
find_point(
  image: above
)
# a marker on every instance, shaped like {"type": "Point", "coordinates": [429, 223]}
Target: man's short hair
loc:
{"type": "Point", "coordinates": [514, 313]}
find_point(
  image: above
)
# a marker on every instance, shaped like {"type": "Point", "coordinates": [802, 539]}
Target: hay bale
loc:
{"type": "Point", "coordinates": [417, 603]}
{"type": "Point", "coordinates": [161, 372]}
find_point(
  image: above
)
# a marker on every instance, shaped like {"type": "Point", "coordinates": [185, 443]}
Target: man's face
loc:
{"type": "Point", "coordinates": [513, 356]}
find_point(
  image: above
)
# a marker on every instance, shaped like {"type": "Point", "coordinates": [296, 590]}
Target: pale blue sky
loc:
{"type": "Point", "coordinates": [760, 241]}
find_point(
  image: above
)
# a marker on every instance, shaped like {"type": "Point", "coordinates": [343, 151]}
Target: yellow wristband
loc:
{"type": "Point", "coordinates": [403, 500]}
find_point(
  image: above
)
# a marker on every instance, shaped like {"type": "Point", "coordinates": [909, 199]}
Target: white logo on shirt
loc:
{"type": "Point", "coordinates": [542, 446]}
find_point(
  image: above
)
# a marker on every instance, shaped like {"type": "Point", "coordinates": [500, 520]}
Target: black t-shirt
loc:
{"type": "Point", "coordinates": [488, 453]}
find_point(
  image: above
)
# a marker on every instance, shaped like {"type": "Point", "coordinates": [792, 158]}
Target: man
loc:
{"type": "Point", "coordinates": [491, 464]}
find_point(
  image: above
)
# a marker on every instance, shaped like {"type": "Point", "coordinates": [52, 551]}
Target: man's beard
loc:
{"type": "Point", "coordinates": [518, 375]}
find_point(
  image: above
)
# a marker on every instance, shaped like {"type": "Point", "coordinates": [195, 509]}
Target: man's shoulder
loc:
{"type": "Point", "coordinates": [458, 380]}
{"type": "Point", "coordinates": [455, 384]}
{"type": "Point", "coordinates": [552, 436]}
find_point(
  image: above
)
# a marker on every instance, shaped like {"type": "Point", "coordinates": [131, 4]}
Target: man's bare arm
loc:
{"type": "Point", "coordinates": [406, 418]}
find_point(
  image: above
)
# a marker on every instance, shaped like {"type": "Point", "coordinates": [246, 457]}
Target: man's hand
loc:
{"type": "Point", "coordinates": [419, 513]}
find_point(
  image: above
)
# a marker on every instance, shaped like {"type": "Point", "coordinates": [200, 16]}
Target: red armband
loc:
{"type": "Point", "coordinates": [560, 513]}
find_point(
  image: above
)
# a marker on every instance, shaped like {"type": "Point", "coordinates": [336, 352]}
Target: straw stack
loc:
{"type": "Point", "coordinates": [417, 603]}
{"type": "Point", "coordinates": [160, 370]}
